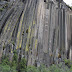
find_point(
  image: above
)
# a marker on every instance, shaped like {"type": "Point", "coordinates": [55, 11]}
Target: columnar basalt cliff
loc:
{"type": "Point", "coordinates": [39, 30]}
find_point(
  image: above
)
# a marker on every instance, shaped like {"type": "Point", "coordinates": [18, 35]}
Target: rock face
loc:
{"type": "Point", "coordinates": [39, 30]}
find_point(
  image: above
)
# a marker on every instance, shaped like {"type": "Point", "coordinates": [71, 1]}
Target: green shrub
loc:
{"type": "Point", "coordinates": [5, 60]}
{"type": "Point", "coordinates": [6, 68]}
{"type": "Point", "coordinates": [15, 56]}
{"type": "Point", "coordinates": [32, 69]}
{"type": "Point", "coordinates": [42, 68]}
{"type": "Point", "coordinates": [68, 63]}
{"type": "Point", "coordinates": [54, 68]}
{"type": "Point", "coordinates": [22, 65]}
{"type": "Point", "coordinates": [14, 61]}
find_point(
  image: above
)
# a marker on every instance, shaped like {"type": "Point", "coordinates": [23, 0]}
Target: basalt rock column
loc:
{"type": "Point", "coordinates": [37, 30]}
{"type": "Point", "coordinates": [68, 34]}
{"type": "Point", "coordinates": [61, 24]}
{"type": "Point", "coordinates": [9, 24]}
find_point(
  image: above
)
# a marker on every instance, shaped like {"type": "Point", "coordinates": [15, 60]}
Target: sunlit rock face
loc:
{"type": "Point", "coordinates": [39, 30]}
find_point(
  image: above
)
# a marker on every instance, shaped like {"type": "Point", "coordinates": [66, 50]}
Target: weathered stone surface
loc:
{"type": "Point", "coordinates": [40, 31]}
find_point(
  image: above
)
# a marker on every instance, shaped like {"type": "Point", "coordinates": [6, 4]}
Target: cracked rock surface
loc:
{"type": "Point", "coordinates": [39, 30]}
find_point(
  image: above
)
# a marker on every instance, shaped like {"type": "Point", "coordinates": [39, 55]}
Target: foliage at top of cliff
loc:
{"type": "Point", "coordinates": [70, 7]}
